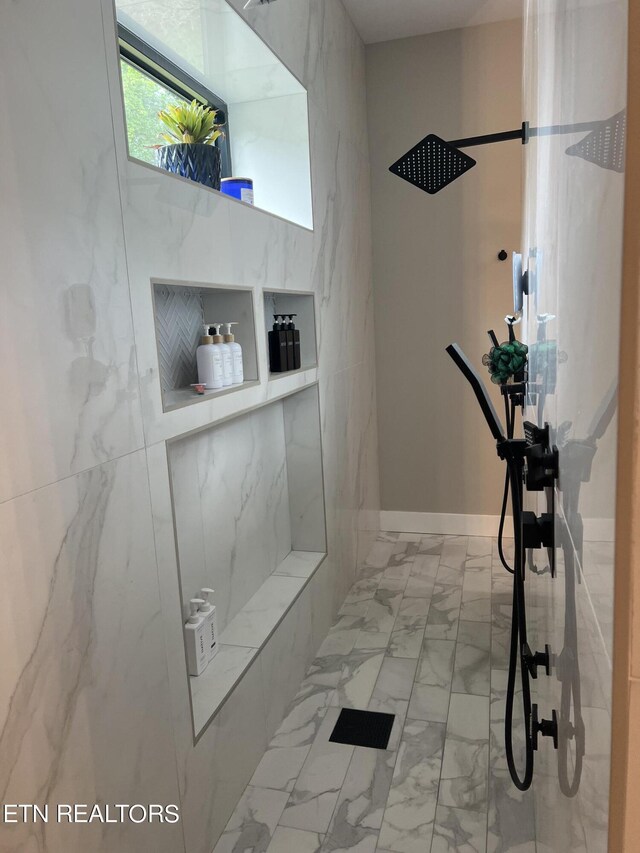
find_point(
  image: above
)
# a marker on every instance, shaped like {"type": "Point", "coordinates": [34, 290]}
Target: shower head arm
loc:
{"type": "Point", "coordinates": [488, 138]}
{"type": "Point", "coordinates": [525, 133]}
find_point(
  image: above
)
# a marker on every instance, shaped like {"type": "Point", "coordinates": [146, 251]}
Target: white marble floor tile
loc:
{"type": "Point", "coordinates": [358, 679]}
{"type": "Point", "coordinates": [407, 825]}
{"type": "Point", "coordinates": [380, 554]}
{"type": "Point", "coordinates": [287, 840]}
{"type": "Point", "coordinates": [253, 822]}
{"type": "Point", "coordinates": [326, 671]}
{"type": "Point", "coordinates": [394, 582]}
{"type": "Point", "coordinates": [511, 821]}
{"type": "Point", "coordinates": [419, 586]}
{"type": "Point", "coordinates": [397, 707]}
{"type": "Point", "coordinates": [341, 637]}
{"type": "Point", "coordinates": [430, 544]}
{"type": "Point", "coordinates": [425, 565]}
{"type": "Point", "coordinates": [414, 606]}
{"type": "Point", "coordinates": [454, 551]}
{"type": "Point", "coordinates": [280, 767]}
{"type": "Point", "coordinates": [471, 671]}
{"type": "Point", "coordinates": [398, 572]}
{"type": "Point", "coordinates": [459, 831]}
{"type": "Point", "coordinates": [373, 641]}
{"type": "Point", "coordinates": [452, 575]}
{"type": "Point", "coordinates": [406, 639]}
{"type": "Point", "coordinates": [432, 688]}
{"type": "Point", "coordinates": [382, 611]}
{"type": "Point", "coordinates": [316, 790]}
{"type": "Point", "coordinates": [476, 607]}
{"type": "Point", "coordinates": [302, 722]}
{"type": "Point", "coordinates": [480, 546]}
{"type": "Point", "coordinates": [395, 680]}
{"type": "Point", "coordinates": [466, 754]}
{"type": "Point", "coordinates": [362, 801]}
{"type": "Point", "coordinates": [355, 608]}
{"type": "Point", "coordinates": [444, 610]}
{"type": "Point", "coordinates": [362, 590]}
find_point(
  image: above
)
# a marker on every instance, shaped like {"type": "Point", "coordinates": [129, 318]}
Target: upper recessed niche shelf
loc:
{"type": "Point", "coordinates": [267, 110]}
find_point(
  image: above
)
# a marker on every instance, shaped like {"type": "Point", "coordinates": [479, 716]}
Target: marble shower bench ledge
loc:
{"type": "Point", "coordinates": [248, 632]}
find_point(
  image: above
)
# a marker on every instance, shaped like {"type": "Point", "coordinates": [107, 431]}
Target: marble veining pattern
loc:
{"type": "Point", "coordinates": [442, 784]}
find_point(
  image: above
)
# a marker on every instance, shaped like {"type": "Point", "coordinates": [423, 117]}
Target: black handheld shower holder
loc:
{"type": "Point", "coordinates": [529, 531]}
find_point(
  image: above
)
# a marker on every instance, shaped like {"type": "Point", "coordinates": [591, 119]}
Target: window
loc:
{"type": "Point", "coordinates": [150, 82]}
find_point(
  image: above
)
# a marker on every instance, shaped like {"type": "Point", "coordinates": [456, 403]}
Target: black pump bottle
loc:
{"type": "Point", "coordinates": [295, 343]}
{"type": "Point", "coordinates": [278, 346]}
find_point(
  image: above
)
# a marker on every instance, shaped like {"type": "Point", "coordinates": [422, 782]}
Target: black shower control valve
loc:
{"type": "Point", "coordinates": [535, 434]}
{"type": "Point", "coordinates": [533, 660]}
{"type": "Point", "coordinates": [542, 467]}
{"type": "Point", "coordinates": [537, 530]}
{"type": "Point", "coordinates": [546, 728]}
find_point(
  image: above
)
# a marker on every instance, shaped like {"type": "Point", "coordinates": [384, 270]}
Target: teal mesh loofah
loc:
{"type": "Point", "coordinates": [505, 360]}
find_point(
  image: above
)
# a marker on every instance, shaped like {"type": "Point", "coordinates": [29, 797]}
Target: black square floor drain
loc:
{"type": "Point", "coordinates": [363, 728]}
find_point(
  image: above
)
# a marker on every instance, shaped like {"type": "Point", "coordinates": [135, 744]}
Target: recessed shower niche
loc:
{"type": "Point", "coordinates": [180, 312]}
{"type": "Point", "coordinates": [302, 305]}
{"type": "Point", "coordinates": [248, 504]}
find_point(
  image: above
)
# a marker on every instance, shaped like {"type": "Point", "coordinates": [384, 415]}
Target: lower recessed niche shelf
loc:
{"type": "Point", "coordinates": [248, 505]}
{"type": "Point", "coordinates": [248, 632]}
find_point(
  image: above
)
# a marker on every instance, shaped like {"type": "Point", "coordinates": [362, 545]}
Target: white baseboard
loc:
{"type": "Point", "coordinates": [459, 524]}
{"type": "Point", "coordinates": [442, 522]}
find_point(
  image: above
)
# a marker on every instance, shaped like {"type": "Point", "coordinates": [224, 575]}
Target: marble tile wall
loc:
{"type": "Point", "coordinates": [231, 508]}
{"type": "Point", "coordinates": [94, 699]}
{"type": "Point", "coordinates": [575, 71]}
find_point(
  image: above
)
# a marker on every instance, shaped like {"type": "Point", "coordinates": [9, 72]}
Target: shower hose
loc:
{"type": "Point", "coordinates": [518, 648]}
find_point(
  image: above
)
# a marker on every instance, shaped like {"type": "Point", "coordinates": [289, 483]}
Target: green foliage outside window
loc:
{"type": "Point", "coordinates": [144, 98]}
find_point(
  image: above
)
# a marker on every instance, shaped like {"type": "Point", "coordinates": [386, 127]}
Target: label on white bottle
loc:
{"type": "Point", "coordinates": [218, 370]}
{"type": "Point", "coordinates": [212, 633]}
{"type": "Point", "coordinates": [198, 652]}
{"type": "Point", "coordinates": [227, 366]}
{"type": "Point", "coordinates": [209, 367]}
{"type": "Point", "coordinates": [238, 367]}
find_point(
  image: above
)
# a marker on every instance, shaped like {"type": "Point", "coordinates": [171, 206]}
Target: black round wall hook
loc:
{"type": "Point", "coordinates": [502, 255]}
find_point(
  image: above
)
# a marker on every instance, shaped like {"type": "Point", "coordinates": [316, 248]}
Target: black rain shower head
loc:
{"type": "Point", "coordinates": [433, 164]}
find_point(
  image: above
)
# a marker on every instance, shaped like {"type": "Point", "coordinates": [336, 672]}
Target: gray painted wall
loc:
{"type": "Point", "coordinates": [436, 274]}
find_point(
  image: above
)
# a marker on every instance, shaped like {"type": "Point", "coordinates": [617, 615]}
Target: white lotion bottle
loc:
{"type": "Point", "coordinates": [196, 640]}
{"type": "Point", "coordinates": [209, 361]}
{"type": "Point", "coordinates": [225, 352]}
{"type": "Point", "coordinates": [208, 613]}
{"type": "Point", "coordinates": [236, 354]}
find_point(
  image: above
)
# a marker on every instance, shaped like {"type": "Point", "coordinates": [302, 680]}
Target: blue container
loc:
{"type": "Point", "coordinates": [240, 188]}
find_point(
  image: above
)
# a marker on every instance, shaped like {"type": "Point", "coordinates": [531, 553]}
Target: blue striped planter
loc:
{"type": "Point", "coordinates": [195, 161]}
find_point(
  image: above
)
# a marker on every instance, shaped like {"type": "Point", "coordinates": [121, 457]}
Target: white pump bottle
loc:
{"type": "Point", "coordinates": [195, 636]}
{"type": "Point", "coordinates": [208, 613]}
{"type": "Point", "coordinates": [236, 354]}
{"type": "Point", "coordinates": [209, 361]}
{"type": "Point", "coordinates": [225, 351]}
